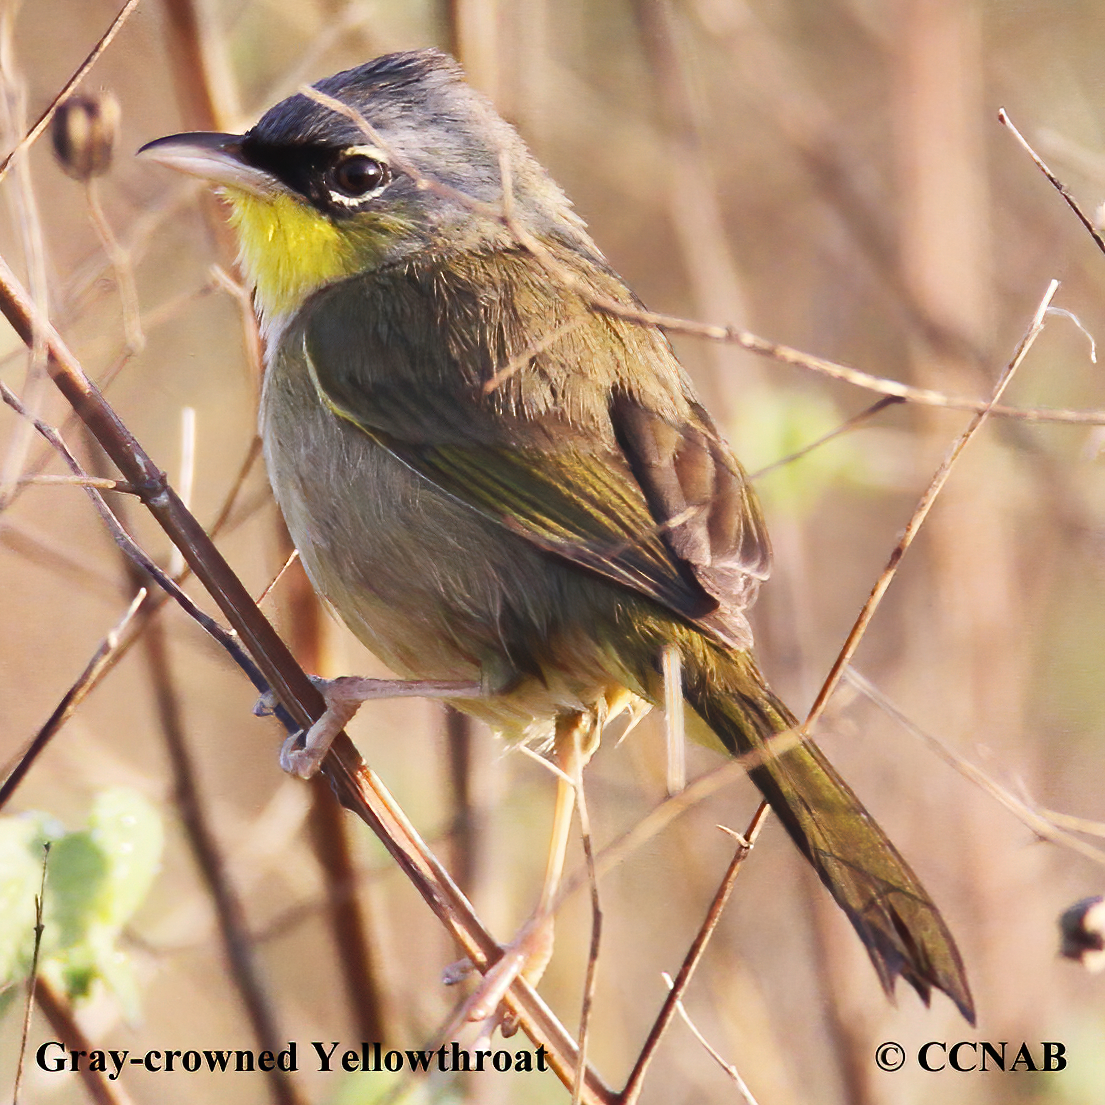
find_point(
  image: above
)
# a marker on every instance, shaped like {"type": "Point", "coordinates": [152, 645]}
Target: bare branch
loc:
{"type": "Point", "coordinates": [70, 85]}
{"type": "Point", "coordinates": [729, 1068]}
{"type": "Point", "coordinates": [32, 978]}
{"type": "Point", "coordinates": [1056, 183]}
{"type": "Point", "coordinates": [632, 1088]}
{"type": "Point", "coordinates": [358, 787]}
{"type": "Point", "coordinates": [102, 659]}
{"type": "Point", "coordinates": [921, 513]}
{"type": "Point", "coordinates": [1046, 825]}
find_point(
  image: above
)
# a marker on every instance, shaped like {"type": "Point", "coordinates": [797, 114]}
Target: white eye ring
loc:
{"type": "Point", "coordinates": [358, 174]}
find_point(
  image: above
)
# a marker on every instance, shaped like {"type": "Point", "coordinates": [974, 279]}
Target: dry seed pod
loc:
{"type": "Point", "coordinates": [84, 130]}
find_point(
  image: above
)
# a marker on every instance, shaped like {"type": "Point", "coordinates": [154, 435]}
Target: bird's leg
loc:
{"type": "Point", "coordinates": [344, 696]}
{"type": "Point", "coordinates": [528, 954]}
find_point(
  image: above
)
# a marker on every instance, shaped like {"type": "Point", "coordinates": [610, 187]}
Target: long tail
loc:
{"type": "Point", "coordinates": [897, 921]}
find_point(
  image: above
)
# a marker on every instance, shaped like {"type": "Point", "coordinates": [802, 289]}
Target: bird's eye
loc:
{"type": "Point", "coordinates": [357, 175]}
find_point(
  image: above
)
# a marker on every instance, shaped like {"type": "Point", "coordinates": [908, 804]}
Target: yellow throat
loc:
{"type": "Point", "coordinates": [288, 250]}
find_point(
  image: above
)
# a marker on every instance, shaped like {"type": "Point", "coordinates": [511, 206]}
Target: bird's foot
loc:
{"type": "Point", "coordinates": [302, 753]}
{"type": "Point", "coordinates": [526, 956]}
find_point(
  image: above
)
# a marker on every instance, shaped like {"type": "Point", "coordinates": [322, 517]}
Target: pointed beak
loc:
{"type": "Point", "coordinates": [212, 157]}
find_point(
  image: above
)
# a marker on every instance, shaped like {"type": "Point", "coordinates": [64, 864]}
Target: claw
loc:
{"type": "Point", "coordinates": [457, 972]}
{"type": "Point", "coordinates": [265, 706]}
{"type": "Point", "coordinates": [526, 957]}
{"type": "Point", "coordinates": [302, 754]}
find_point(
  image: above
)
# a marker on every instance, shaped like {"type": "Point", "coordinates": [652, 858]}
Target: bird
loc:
{"type": "Point", "coordinates": [499, 475]}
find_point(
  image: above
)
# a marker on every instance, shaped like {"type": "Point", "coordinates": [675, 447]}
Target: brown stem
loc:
{"type": "Point", "coordinates": [60, 1015]}
{"type": "Point", "coordinates": [632, 1088]}
{"type": "Point", "coordinates": [357, 786]}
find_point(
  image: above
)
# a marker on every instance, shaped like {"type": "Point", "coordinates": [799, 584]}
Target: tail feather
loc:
{"type": "Point", "coordinates": [898, 923]}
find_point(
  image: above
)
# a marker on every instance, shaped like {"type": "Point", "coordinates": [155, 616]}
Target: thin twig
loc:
{"type": "Point", "coordinates": [32, 979]}
{"type": "Point", "coordinates": [845, 427]}
{"type": "Point", "coordinates": [787, 355]}
{"type": "Point", "coordinates": [1056, 183]}
{"type": "Point", "coordinates": [100, 483]}
{"type": "Point", "coordinates": [70, 85]}
{"type": "Point", "coordinates": [101, 660]}
{"type": "Point", "coordinates": [633, 1085]}
{"type": "Point", "coordinates": [673, 323]}
{"type": "Point", "coordinates": [1075, 824]}
{"type": "Point", "coordinates": [596, 927]}
{"type": "Point", "coordinates": [1041, 822]}
{"type": "Point", "coordinates": [729, 1068]}
{"type": "Point", "coordinates": [520, 360]}
{"type": "Point", "coordinates": [542, 761]}
{"type": "Point", "coordinates": [673, 807]}
{"type": "Point", "coordinates": [921, 513]}
{"type": "Point", "coordinates": [293, 556]}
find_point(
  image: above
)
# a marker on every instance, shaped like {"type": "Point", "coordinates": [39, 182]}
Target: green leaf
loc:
{"type": "Point", "coordinates": [128, 831]}
{"type": "Point", "coordinates": [77, 875]}
{"type": "Point", "coordinates": [96, 879]}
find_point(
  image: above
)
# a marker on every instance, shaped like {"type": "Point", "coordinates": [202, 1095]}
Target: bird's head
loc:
{"type": "Point", "coordinates": [394, 158]}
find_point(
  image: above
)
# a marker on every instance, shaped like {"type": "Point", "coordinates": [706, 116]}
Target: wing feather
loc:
{"type": "Point", "coordinates": [613, 469]}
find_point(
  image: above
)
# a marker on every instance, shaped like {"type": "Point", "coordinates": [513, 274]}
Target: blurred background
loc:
{"type": "Point", "coordinates": [828, 174]}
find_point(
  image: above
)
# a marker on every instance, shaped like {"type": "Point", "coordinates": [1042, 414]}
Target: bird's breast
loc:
{"type": "Point", "coordinates": [432, 587]}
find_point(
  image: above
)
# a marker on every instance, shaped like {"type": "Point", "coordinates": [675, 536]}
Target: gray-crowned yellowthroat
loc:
{"type": "Point", "coordinates": [494, 480]}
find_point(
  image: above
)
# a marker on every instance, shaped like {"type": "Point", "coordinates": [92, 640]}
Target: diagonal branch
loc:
{"type": "Point", "coordinates": [632, 1089]}
{"type": "Point", "coordinates": [882, 584]}
{"type": "Point", "coordinates": [357, 786]}
{"type": "Point", "coordinates": [1053, 180]}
